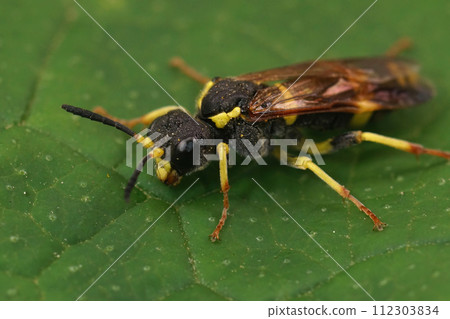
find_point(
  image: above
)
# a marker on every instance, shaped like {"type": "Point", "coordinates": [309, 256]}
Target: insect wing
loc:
{"type": "Point", "coordinates": [351, 85]}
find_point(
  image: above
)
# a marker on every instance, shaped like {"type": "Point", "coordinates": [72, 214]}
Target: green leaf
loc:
{"type": "Point", "coordinates": [63, 220]}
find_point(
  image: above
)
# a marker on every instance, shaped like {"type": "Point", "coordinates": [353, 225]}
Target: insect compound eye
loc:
{"type": "Point", "coordinates": [185, 146]}
{"type": "Point", "coordinates": [182, 158]}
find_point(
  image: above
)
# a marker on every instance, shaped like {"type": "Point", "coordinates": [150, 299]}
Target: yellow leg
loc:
{"type": "Point", "coordinates": [222, 151]}
{"type": "Point", "coordinates": [398, 47]}
{"type": "Point", "coordinates": [304, 163]}
{"type": "Point", "coordinates": [402, 145]}
{"type": "Point", "coordinates": [356, 137]}
{"type": "Point", "coordinates": [146, 119]}
{"type": "Point", "coordinates": [179, 63]}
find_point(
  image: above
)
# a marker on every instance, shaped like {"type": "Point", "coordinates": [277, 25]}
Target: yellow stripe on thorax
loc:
{"type": "Point", "coordinates": [202, 94]}
{"type": "Point", "coordinates": [222, 119]}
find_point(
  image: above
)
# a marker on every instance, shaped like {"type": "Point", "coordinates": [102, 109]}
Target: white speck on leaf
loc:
{"type": "Point", "coordinates": [52, 216]}
{"type": "Point", "coordinates": [75, 268]}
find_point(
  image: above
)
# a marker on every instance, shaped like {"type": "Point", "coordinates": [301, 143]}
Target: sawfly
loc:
{"type": "Point", "coordinates": [278, 103]}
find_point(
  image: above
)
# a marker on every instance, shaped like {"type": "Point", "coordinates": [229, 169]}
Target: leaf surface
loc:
{"type": "Point", "coordinates": [63, 220]}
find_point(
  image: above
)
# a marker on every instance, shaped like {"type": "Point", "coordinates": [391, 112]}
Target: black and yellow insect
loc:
{"type": "Point", "coordinates": [277, 103]}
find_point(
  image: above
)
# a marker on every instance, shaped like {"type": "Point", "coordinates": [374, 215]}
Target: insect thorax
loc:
{"type": "Point", "coordinates": [225, 95]}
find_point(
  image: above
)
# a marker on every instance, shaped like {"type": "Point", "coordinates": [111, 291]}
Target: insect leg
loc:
{"type": "Point", "coordinates": [146, 119]}
{"type": "Point", "coordinates": [222, 151]}
{"type": "Point", "coordinates": [356, 137]}
{"type": "Point", "coordinates": [304, 163]}
{"type": "Point", "coordinates": [181, 65]}
{"type": "Point", "coordinates": [398, 47]}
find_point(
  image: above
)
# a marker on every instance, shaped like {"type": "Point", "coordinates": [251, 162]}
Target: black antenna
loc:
{"type": "Point", "coordinates": [98, 118]}
{"type": "Point", "coordinates": [133, 179]}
